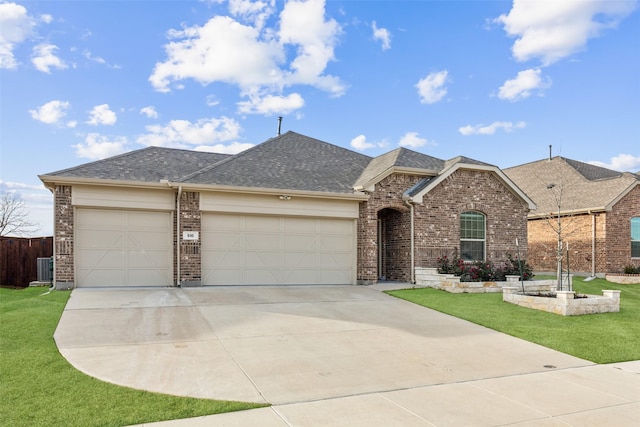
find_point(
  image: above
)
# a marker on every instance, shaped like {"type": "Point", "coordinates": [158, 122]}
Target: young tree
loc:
{"type": "Point", "coordinates": [14, 216]}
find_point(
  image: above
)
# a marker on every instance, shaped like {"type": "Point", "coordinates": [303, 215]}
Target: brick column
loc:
{"type": "Point", "coordinates": [190, 250]}
{"type": "Point", "coordinates": [63, 238]}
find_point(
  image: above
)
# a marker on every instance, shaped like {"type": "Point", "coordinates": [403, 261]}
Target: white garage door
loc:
{"type": "Point", "coordinates": [123, 248]}
{"type": "Point", "coordinates": [273, 250]}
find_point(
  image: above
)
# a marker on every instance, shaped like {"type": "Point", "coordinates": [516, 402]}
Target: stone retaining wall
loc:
{"type": "Point", "coordinates": [565, 302]}
{"type": "Point", "coordinates": [624, 279]}
{"type": "Point", "coordinates": [429, 277]}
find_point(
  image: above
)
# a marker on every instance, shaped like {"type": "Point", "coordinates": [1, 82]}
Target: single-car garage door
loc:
{"type": "Point", "coordinates": [123, 248]}
{"type": "Point", "coordinates": [274, 250]}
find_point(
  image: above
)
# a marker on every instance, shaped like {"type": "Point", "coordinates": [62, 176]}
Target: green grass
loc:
{"type": "Point", "coordinates": [600, 338]}
{"type": "Point", "coordinates": [39, 388]}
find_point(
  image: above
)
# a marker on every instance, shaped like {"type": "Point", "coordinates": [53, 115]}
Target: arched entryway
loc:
{"type": "Point", "coordinates": [394, 245]}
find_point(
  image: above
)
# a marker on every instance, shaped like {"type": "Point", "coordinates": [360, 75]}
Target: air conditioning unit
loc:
{"type": "Point", "coordinates": [45, 269]}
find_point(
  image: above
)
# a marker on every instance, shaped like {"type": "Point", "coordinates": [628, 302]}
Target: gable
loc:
{"type": "Point", "coordinates": [418, 191]}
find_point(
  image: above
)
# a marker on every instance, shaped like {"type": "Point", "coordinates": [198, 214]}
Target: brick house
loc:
{"type": "Point", "coordinates": [599, 212]}
{"type": "Point", "coordinates": [292, 210]}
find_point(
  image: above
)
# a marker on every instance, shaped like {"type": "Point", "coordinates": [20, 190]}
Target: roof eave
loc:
{"type": "Point", "coordinates": [51, 181]}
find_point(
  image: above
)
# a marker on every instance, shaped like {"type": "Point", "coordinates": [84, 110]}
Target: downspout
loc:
{"type": "Point", "coordinates": [593, 244]}
{"type": "Point", "coordinates": [178, 236]}
{"type": "Point", "coordinates": [413, 260]}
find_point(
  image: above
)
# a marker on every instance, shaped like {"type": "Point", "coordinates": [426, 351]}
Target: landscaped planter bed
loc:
{"type": "Point", "coordinates": [429, 277]}
{"type": "Point", "coordinates": [565, 303]}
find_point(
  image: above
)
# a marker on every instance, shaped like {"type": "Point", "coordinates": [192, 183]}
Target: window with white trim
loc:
{"type": "Point", "coordinates": [472, 236]}
{"type": "Point", "coordinates": [635, 237]}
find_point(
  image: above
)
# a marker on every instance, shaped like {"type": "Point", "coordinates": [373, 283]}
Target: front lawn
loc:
{"type": "Point", "coordinates": [600, 338]}
{"type": "Point", "coordinates": [39, 388]}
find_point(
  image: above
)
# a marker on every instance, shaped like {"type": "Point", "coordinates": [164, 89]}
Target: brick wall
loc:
{"type": "Point", "coordinates": [63, 236]}
{"type": "Point", "coordinates": [437, 219]}
{"type": "Point", "coordinates": [612, 239]}
{"type": "Point", "coordinates": [577, 231]}
{"type": "Point", "coordinates": [190, 250]}
{"type": "Point", "coordinates": [387, 195]}
{"type": "Point", "coordinates": [618, 250]}
{"type": "Point", "coordinates": [437, 222]}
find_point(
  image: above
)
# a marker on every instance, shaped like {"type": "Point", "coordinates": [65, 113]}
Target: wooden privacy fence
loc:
{"type": "Point", "coordinates": [18, 259]}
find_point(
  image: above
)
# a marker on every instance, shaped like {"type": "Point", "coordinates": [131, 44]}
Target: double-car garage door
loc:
{"type": "Point", "coordinates": [135, 248]}
{"type": "Point", "coordinates": [271, 250]}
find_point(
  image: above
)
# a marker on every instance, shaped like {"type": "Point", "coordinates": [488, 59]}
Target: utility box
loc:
{"type": "Point", "coordinates": [45, 269]}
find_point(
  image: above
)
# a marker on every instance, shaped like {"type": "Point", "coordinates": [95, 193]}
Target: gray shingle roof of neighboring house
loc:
{"type": "Point", "coordinates": [290, 162]}
{"type": "Point", "coordinates": [400, 158]}
{"type": "Point", "coordinates": [574, 185]}
{"type": "Point", "coordinates": [150, 164]}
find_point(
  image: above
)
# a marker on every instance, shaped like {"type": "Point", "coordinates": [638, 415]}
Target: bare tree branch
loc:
{"type": "Point", "coordinates": [14, 216]}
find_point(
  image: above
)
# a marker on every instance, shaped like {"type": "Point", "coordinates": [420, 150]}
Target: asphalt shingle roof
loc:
{"type": "Point", "coordinates": [402, 158]}
{"type": "Point", "coordinates": [150, 164]}
{"type": "Point", "coordinates": [290, 162]}
{"type": "Point", "coordinates": [576, 186]}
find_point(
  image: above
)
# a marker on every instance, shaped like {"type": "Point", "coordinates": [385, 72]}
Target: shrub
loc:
{"type": "Point", "coordinates": [483, 271]}
{"type": "Point", "coordinates": [631, 269]}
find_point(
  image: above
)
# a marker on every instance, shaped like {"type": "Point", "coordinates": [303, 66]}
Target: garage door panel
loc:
{"type": "Point", "coordinates": [147, 259]}
{"type": "Point", "coordinates": [300, 242]}
{"type": "Point", "coordinates": [261, 223]}
{"type": "Point", "coordinates": [123, 248]}
{"type": "Point", "coordinates": [277, 250]}
{"type": "Point", "coordinates": [103, 238]}
{"type": "Point", "coordinates": [146, 239]}
{"type": "Point", "coordinates": [223, 240]}
{"type": "Point", "coordinates": [261, 259]}
{"type": "Point", "coordinates": [100, 258]}
{"type": "Point", "coordinates": [333, 243]}
{"type": "Point", "coordinates": [264, 241]}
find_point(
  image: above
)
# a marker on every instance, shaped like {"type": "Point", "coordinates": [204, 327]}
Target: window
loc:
{"type": "Point", "coordinates": [472, 236]}
{"type": "Point", "coordinates": [635, 237]}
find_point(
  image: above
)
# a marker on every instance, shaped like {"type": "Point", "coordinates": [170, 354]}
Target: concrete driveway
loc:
{"type": "Point", "coordinates": [302, 345]}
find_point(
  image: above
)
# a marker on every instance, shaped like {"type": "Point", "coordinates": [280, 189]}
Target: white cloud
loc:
{"type": "Point", "coordinates": [412, 140]}
{"type": "Point", "coordinates": [7, 186]}
{"type": "Point", "coordinates": [553, 30]}
{"type": "Point", "coordinates": [43, 58]}
{"type": "Point", "coordinates": [52, 112]}
{"type": "Point", "coordinates": [381, 34]}
{"type": "Point", "coordinates": [523, 85]}
{"type": "Point", "coordinates": [490, 129]}
{"type": "Point", "coordinates": [622, 163]}
{"type": "Point", "coordinates": [241, 52]}
{"type": "Point", "coordinates": [150, 112]}
{"type": "Point", "coordinates": [184, 134]}
{"type": "Point", "coordinates": [46, 18]}
{"type": "Point", "coordinates": [233, 148]}
{"type": "Point", "coordinates": [360, 143]}
{"type": "Point", "coordinates": [102, 115]}
{"type": "Point", "coordinates": [271, 104]}
{"type": "Point", "coordinates": [256, 12]}
{"type": "Point", "coordinates": [431, 89]}
{"type": "Point", "coordinates": [98, 147]}
{"type": "Point", "coordinates": [15, 26]}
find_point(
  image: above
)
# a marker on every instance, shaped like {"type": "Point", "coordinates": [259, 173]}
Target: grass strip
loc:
{"type": "Point", "coordinates": [39, 388]}
{"type": "Point", "coordinates": [600, 338]}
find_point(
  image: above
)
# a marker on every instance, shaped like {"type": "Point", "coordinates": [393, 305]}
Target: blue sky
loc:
{"type": "Point", "coordinates": [497, 81]}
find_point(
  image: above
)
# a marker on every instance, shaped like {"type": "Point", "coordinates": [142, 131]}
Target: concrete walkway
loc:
{"type": "Point", "coordinates": [334, 355]}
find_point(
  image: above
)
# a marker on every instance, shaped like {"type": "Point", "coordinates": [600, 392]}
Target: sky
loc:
{"type": "Point", "coordinates": [496, 81]}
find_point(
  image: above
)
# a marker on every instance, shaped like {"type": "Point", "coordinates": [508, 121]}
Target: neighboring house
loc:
{"type": "Point", "coordinates": [599, 215]}
{"type": "Point", "coordinates": [292, 210]}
